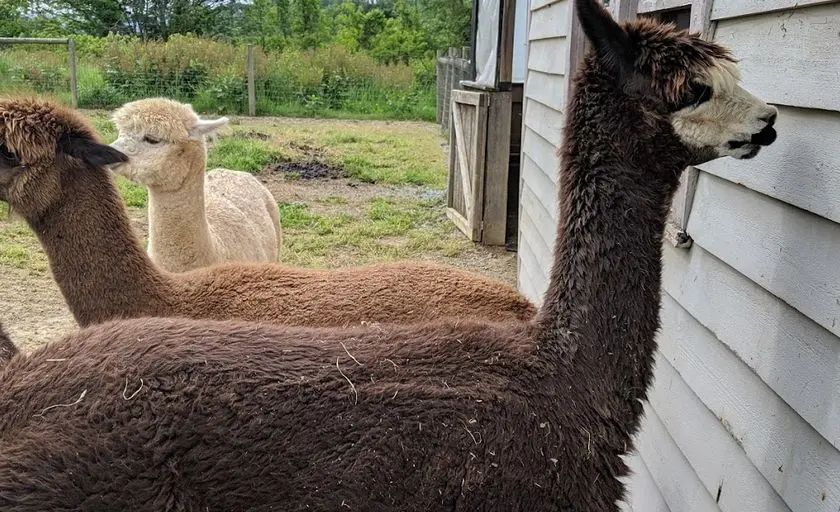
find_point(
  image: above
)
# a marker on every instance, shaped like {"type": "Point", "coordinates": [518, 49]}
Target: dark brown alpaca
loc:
{"type": "Point", "coordinates": [7, 348]}
{"type": "Point", "coordinates": [185, 415]}
{"type": "Point", "coordinates": [52, 172]}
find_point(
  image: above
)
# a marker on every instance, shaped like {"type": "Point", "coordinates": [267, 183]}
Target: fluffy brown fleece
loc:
{"type": "Point", "coordinates": [51, 172]}
{"type": "Point", "coordinates": [182, 415]}
{"type": "Point", "coordinates": [7, 348]}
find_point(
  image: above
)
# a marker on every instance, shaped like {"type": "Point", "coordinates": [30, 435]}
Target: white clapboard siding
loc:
{"type": "Point", "coordinates": [540, 4]}
{"type": "Point", "coordinates": [642, 493]}
{"type": "Point", "coordinates": [801, 168]}
{"type": "Point", "coordinates": [795, 357]}
{"type": "Point", "coordinates": [548, 56]}
{"type": "Point", "coordinates": [544, 223]}
{"type": "Point", "coordinates": [542, 249]}
{"type": "Point", "coordinates": [546, 88]}
{"type": "Point", "coordinates": [548, 22]}
{"type": "Point", "coordinates": [722, 9]}
{"type": "Point", "coordinates": [530, 269]}
{"type": "Point", "coordinates": [720, 463]}
{"type": "Point", "coordinates": [793, 254]}
{"type": "Point", "coordinates": [541, 186]}
{"type": "Point", "coordinates": [790, 57]}
{"type": "Point", "coordinates": [674, 476]}
{"type": "Point", "coordinates": [800, 465]}
{"type": "Point", "coordinates": [536, 144]}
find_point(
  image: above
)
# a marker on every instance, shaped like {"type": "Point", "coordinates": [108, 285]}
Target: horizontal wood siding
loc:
{"type": "Point", "coordinates": [789, 57]}
{"type": "Point", "coordinates": [545, 84]}
{"type": "Point", "coordinates": [801, 168]}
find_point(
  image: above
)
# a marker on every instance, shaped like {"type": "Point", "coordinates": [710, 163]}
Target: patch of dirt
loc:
{"type": "Point", "coordinates": [310, 170]}
{"type": "Point", "coordinates": [253, 134]}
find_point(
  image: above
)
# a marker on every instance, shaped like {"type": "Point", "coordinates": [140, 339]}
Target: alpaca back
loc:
{"type": "Point", "coordinates": [242, 216]}
{"type": "Point", "coordinates": [406, 291]}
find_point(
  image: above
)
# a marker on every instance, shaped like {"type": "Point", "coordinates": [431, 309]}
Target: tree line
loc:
{"type": "Point", "coordinates": [389, 30]}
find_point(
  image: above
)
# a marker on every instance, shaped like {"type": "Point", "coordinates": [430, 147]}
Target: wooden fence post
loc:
{"type": "Point", "coordinates": [252, 93]}
{"type": "Point", "coordinates": [440, 79]}
{"type": "Point", "coordinates": [74, 93]}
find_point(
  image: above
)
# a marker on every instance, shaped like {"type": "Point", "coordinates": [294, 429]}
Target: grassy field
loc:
{"type": "Point", "coordinates": [349, 193]}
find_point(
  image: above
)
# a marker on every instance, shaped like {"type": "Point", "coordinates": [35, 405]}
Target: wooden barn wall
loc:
{"type": "Point", "coordinates": [547, 56]}
{"type": "Point", "coordinates": [744, 414]}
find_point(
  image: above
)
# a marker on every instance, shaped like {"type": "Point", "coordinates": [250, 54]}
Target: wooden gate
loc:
{"type": "Point", "coordinates": [467, 153]}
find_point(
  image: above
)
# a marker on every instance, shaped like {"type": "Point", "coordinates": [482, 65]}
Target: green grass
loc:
{"type": "Point", "coordinates": [243, 154]}
{"type": "Point", "coordinates": [19, 248]}
{"type": "Point", "coordinates": [386, 229]}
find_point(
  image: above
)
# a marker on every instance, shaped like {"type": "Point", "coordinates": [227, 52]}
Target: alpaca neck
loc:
{"type": "Point", "coordinates": [178, 228]}
{"type": "Point", "coordinates": [601, 309]}
{"type": "Point", "coordinates": [95, 257]}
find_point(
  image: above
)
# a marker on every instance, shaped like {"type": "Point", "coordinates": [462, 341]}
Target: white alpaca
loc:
{"type": "Point", "coordinates": [196, 218]}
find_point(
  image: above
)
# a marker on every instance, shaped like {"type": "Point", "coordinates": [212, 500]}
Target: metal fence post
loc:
{"type": "Point", "coordinates": [74, 93]}
{"type": "Point", "coordinates": [252, 93]}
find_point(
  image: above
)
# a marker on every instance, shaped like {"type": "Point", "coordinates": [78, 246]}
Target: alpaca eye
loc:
{"type": "Point", "coordinates": [7, 155]}
{"type": "Point", "coordinates": [151, 140]}
{"type": "Point", "coordinates": [695, 96]}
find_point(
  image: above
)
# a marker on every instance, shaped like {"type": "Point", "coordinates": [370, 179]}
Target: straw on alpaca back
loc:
{"type": "Point", "coordinates": [196, 218]}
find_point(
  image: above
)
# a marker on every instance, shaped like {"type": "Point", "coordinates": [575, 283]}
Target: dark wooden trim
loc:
{"type": "Point", "coordinates": [504, 56]}
{"type": "Point", "coordinates": [473, 33]}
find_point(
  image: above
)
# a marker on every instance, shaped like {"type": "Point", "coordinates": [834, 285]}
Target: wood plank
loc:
{"type": "Point", "coordinates": [538, 278]}
{"type": "Point", "coordinates": [547, 89]}
{"type": "Point", "coordinates": [720, 464]}
{"type": "Point", "coordinates": [735, 8]}
{"type": "Point", "coordinates": [669, 468]}
{"type": "Point", "coordinates": [548, 56]}
{"type": "Point", "coordinates": [543, 251]}
{"type": "Point", "coordinates": [799, 464]}
{"type": "Point", "coordinates": [800, 168]}
{"type": "Point", "coordinates": [642, 493]}
{"type": "Point", "coordinates": [789, 252]}
{"type": "Point", "coordinates": [548, 124]}
{"type": "Point", "coordinates": [465, 166]}
{"type": "Point", "coordinates": [545, 224]}
{"type": "Point", "coordinates": [646, 6]}
{"type": "Point", "coordinates": [549, 22]}
{"type": "Point", "coordinates": [541, 186]}
{"type": "Point", "coordinates": [803, 66]}
{"type": "Point", "coordinates": [539, 4]}
{"type": "Point", "coordinates": [477, 99]}
{"type": "Point", "coordinates": [496, 169]}
{"type": "Point", "coordinates": [795, 357]}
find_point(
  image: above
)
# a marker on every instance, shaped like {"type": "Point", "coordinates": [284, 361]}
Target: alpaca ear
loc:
{"type": "Point", "coordinates": [610, 40]}
{"type": "Point", "coordinates": [91, 152]}
{"type": "Point", "coordinates": [204, 127]}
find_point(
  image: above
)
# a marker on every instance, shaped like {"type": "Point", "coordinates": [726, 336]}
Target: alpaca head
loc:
{"type": "Point", "coordinates": [164, 141]}
{"type": "Point", "coordinates": [43, 147]}
{"type": "Point", "coordinates": [680, 79]}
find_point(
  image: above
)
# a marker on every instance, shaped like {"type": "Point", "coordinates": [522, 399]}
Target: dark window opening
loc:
{"type": "Point", "coordinates": [680, 17]}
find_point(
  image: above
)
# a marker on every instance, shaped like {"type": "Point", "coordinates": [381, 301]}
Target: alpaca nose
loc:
{"type": "Point", "coordinates": [770, 119]}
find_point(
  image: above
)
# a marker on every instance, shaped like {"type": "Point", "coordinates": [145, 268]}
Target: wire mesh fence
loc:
{"type": "Point", "coordinates": [214, 77]}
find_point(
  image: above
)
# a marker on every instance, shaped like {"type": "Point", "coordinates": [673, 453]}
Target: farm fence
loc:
{"type": "Point", "coordinates": [452, 67]}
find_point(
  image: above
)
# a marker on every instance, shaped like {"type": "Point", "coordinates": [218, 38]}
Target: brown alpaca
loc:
{"type": "Point", "coordinates": [185, 415]}
{"type": "Point", "coordinates": [7, 348]}
{"type": "Point", "coordinates": [52, 172]}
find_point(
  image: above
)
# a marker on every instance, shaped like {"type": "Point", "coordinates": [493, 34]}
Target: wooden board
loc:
{"type": "Point", "coordinates": [548, 56]}
{"type": "Point", "coordinates": [550, 22]}
{"type": "Point", "coordinates": [800, 465]}
{"type": "Point", "coordinates": [803, 67]}
{"type": "Point", "coordinates": [547, 123]}
{"type": "Point", "coordinates": [669, 468]}
{"type": "Point", "coordinates": [722, 9]}
{"type": "Point", "coordinates": [646, 6]}
{"type": "Point", "coordinates": [795, 357]}
{"type": "Point", "coordinates": [801, 168]}
{"type": "Point", "coordinates": [494, 212]}
{"type": "Point", "coordinates": [547, 89]}
{"type": "Point", "coordinates": [544, 222]}
{"type": "Point", "coordinates": [541, 186]}
{"type": "Point", "coordinates": [789, 252]}
{"type": "Point", "coordinates": [539, 4]}
{"type": "Point", "coordinates": [642, 493]}
{"type": "Point", "coordinates": [720, 464]}
{"type": "Point", "coordinates": [467, 142]}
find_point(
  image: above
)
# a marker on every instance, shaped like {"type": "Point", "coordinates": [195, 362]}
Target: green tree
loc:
{"type": "Point", "coordinates": [306, 23]}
